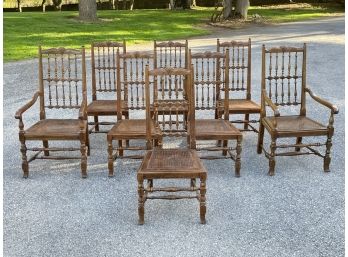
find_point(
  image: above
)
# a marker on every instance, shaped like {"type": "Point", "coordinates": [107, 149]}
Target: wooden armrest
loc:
{"type": "Point", "coordinates": [25, 107]}
{"type": "Point", "coordinates": [270, 103]}
{"type": "Point", "coordinates": [333, 108]}
{"type": "Point", "coordinates": [83, 111]}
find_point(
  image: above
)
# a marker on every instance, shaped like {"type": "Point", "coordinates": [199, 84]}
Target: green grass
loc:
{"type": "Point", "coordinates": [291, 13]}
{"type": "Point", "coordinates": [23, 32]}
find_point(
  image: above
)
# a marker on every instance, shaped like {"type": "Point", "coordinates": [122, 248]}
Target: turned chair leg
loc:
{"type": "Point", "coordinates": [110, 159]}
{"type": "Point", "coordinates": [238, 153]}
{"type": "Point", "coordinates": [45, 145]}
{"type": "Point", "coordinates": [83, 151]}
{"type": "Point", "coordinates": [141, 201]}
{"type": "Point", "coordinates": [120, 145]}
{"type": "Point", "coordinates": [260, 138]}
{"type": "Point", "coordinates": [327, 157]}
{"type": "Point", "coordinates": [202, 204]}
{"type": "Point", "coordinates": [96, 123]}
{"type": "Point", "coordinates": [272, 158]}
{"type": "Point", "coordinates": [25, 164]}
{"type": "Point", "coordinates": [224, 145]}
{"type": "Point", "coordinates": [298, 141]}
{"type": "Point", "coordinates": [246, 121]}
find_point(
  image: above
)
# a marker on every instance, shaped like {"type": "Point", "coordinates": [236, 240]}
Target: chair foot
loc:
{"type": "Point", "coordinates": [327, 164]}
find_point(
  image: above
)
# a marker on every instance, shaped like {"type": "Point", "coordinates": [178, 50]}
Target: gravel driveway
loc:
{"type": "Point", "coordinates": [298, 212]}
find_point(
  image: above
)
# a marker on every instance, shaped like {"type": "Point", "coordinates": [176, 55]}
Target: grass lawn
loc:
{"type": "Point", "coordinates": [23, 32]}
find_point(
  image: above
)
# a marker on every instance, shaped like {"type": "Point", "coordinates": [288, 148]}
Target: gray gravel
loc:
{"type": "Point", "coordinates": [298, 212]}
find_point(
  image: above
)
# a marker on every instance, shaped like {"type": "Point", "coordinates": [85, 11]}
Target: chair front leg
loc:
{"type": "Point", "coordinates": [238, 154]}
{"type": "Point", "coordinates": [141, 201]}
{"type": "Point", "coordinates": [83, 151]}
{"type": "Point", "coordinates": [327, 157]}
{"type": "Point", "coordinates": [272, 157]}
{"type": "Point", "coordinates": [110, 158]}
{"type": "Point", "coordinates": [25, 164]}
{"type": "Point", "coordinates": [202, 204]}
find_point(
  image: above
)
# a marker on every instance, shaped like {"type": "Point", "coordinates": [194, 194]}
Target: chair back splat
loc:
{"type": "Point", "coordinates": [284, 75]}
{"type": "Point", "coordinates": [170, 93]}
{"type": "Point", "coordinates": [62, 79]}
{"type": "Point", "coordinates": [171, 54]}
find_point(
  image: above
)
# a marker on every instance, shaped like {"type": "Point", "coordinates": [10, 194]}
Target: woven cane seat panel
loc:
{"type": "Point", "coordinates": [240, 106]}
{"type": "Point", "coordinates": [55, 129]}
{"type": "Point", "coordinates": [103, 107]}
{"type": "Point", "coordinates": [172, 163]}
{"type": "Point", "coordinates": [132, 128]}
{"type": "Point", "coordinates": [215, 128]}
{"type": "Point", "coordinates": [295, 124]}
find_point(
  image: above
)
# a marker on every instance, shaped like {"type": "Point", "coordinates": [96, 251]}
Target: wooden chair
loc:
{"type": "Point", "coordinates": [175, 164]}
{"type": "Point", "coordinates": [239, 70]}
{"type": "Point", "coordinates": [133, 96]}
{"type": "Point", "coordinates": [284, 85]}
{"type": "Point", "coordinates": [207, 87]}
{"type": "Point", "coordinates": [62, 85]}
{"type": "Point", "coordinates": [104, 82]}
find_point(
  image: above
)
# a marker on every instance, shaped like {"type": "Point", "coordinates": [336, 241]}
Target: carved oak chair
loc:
{"type": "Point", "coordinates": [62, 85]}
{"type": "Point", "coordinates": [131, 90]}
{"type": "Point", "coordinates": [208, 95]}
{"type": "Point", "coordinates": [104, 82]}
{"type": "Point", "coordinates": [284, 85]}
{"type": "Point", "coordinates": [239, 86]}
{"type": "Point", "coordinates": [180, 163]}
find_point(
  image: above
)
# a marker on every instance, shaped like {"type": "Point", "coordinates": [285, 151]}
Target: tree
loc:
{"type": "Point", "coordinates": [242, 8]}
{"type": "Point", "coordinates": [227, 8]}
{"type": "Point", "coordinates": [88, 10]}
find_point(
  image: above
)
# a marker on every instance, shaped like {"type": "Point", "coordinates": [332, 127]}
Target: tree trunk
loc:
{"type": "Point", "coordinates": [124, 4]}
{"type": "Point", "coordinates": [131, 5]}
{"type": "Point", "coordinates": [19, 5]}
{"type": "Point", "coordinates": [88, 10]}
{"type": "Point", "coordinates": [193, 3]}
{"type": "Point", "coordinates": [227, 8]}
{"type": "Point", "coordinates": [43, 4]}
{"type": "Point", "coordinates": [242, 8]}
{"type": "Point", "coordinates": [171, 4]}
{"type": "Point", "coordinates": [112, 4]}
